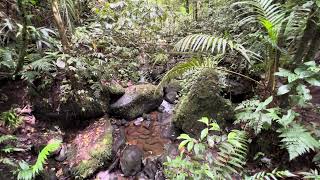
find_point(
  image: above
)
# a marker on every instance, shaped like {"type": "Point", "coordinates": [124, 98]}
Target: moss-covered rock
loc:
{"type": "Point", "coordinates": [203, 100]}
{"type": "Point", "coordinates": [136, 101]}
{"type": "Point", "coordinates": [69, 109]}
{"type": "Point", "coordinates": [91, 149]}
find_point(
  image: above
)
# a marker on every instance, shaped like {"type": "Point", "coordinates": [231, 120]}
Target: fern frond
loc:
{"type": "Point", "coordinates": [27, 173]}
{"type": "Point", "coordinates": [297, 140]}
{"type": "Point", "coordinates": [275, 174]}
{"type": "Point", "coordinates": [213, 44]}
{"type": "Point", "coordinates": [313, 174]}
{"type": "Point", "coordinates": [232, 154]}
{"type": "Point", "coordinates": [184, 67]}
{"type": "Point", "coordinates": [5, 138]}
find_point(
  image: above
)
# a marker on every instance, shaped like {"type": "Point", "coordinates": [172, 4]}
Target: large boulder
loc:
{"type": "Point", "coordinates": [80, 103]}
{"type": "Point", "coordinates": [136, 101]}
{"type": "Point", "coordinates": [203, 100]}
{"type": "Point", "coordinates": [91, 149]}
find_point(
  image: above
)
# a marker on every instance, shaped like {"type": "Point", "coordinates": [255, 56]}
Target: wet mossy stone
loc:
{"type": "Point", "coordinates": [91, 149]}
{"type": "Point", "coordinates": [70, 112]}
{"type": "Point", "coordinates": [136, 101]}
{"type": "Point", "coordinates": [203, 100]}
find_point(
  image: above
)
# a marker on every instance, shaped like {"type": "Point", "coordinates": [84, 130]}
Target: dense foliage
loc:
{"type": "Point", "coordinates": [75, 50]}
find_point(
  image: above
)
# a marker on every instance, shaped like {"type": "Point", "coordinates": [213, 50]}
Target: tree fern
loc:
{"type": "Point", "coordinates": [275, 174]}
{"type": "Point", "coordinates": [26, 172]}
{"type": "Point", "coordinates": [232, 155]}
{"type": "Point", "coordinates": [213, 44]}
{"type": "Point", "coordinates": [297, 140]}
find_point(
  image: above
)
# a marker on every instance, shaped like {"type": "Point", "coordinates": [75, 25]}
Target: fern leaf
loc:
{"type": "Point", "coordinates": [27, 173]}
{"type": "Point", "coordinates": [232, 154]}
{"type": "Point", "coordinates": [5, 138]}
{"type": "Point", "coordinates": [297, 140]}
{"type": "Point", "coordinates": [275, 174]}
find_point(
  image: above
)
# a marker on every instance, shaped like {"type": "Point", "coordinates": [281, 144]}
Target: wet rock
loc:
{"type": "Point", "coordinates": [116, 91]}
{"type": "Point", "coordinates": [169, 131]}
{"type": "Point", "coordinates": [69, 112]}
{"type": "Point", "coordinates": [62, 155]}
{"type": "Point", "coordinates": [150, 169]}
{"type": "Point", "coordinates": [171, 91]}
{"type": "Point", "coordinates": [203, 100]}
{"type": "Point", "coordinates": [119, 140]}
{"type": "Point", "coordinates": [91, 149]}
{"type": "Point", "coordinates": [138, 122]}
{"type": "Point", "coordinates": [136, 101]}
{"type": "Point", "coordinates": [131, 160]}
{"type": "Point", "coordinates": [156, 72]}
{"type": "Point", "coordinates": [48, 175]}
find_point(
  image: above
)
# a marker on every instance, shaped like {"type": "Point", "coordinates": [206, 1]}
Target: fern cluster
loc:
{"type": "Point", "coordinates": [27, 172]}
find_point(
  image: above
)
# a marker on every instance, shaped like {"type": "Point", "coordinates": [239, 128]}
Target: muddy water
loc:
{"type": "Point", "coordinates": [152, 133]}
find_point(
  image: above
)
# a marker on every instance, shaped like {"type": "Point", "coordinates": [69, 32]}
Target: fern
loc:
{"type": "Point", "coordinates": [184, 67]}
{"type": "Point", "coordinates": [297, 140]}
{"type": "Point", "coordinates": [26, 172]}
{"type": "Point", "coordinates": [5, 138]}
{"type": "Point", "coordinates": [275, 174]}
{"type": "Point", "coordinates": [255, 114]}
{"type": "Point", "coordinates": [213, 44]}
{"type": "Point", "coordinates": [313, 174]}
{"type": "Point", "coordinates": [232, 155]}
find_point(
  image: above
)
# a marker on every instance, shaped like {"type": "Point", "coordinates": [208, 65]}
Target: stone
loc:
{"type": "Point", "coordinates": [203, 100]}
{"type": "Point", "coordinates": [119, 140]}
{"type": "Point", "coordinates": [171, 91]}
{"type": "Point", "coordinates": [115, 91]}
{"type": "Point", "coordinates": [150, 169]}
{"type": "Point", "coordinates": [131, 160]}
{"type": "Point", "coordinates": [50, 104]}
{"type": "Point", "coordinates": [91, 149]}
{"type": "Point", "coordinates": [62, 155]}
{"type": "Point", "coordinates": [136, 101]}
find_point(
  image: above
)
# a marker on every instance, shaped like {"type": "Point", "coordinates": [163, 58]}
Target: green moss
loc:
{"type": "Point", "coordinates": [100, 153]}
{"type": "Point", "coordinates": [203, 99]}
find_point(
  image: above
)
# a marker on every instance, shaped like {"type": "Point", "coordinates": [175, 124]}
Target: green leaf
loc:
{"type": "Point", "coordinates": [204, 133]}
{"type": "Point", "coordinates": [214, 127]}
{"type": "Point", "coordinates": [183, 143]}
{"type": "Point", "coordinates": [184, 136]}
{"type": "Point", "coordinates": [313, 81]}
{"type": "Point", "coordinates": [284, 89]}
{"type": "Point", "coordinates": [204, 120]}
{"type": "Point", "coordinates": [190, 146]}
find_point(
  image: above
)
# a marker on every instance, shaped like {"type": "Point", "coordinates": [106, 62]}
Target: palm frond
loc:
{"type": "Point", "coordinates": [262, 10]}
{"type": "Point", "coordinates": [213, 44]}
{"type": "Point", "coordinates": [180, 69]}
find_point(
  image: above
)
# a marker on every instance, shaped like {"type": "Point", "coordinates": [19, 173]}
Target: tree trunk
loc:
{"type": "Point", "coordinates": [23, 40]}
{"type": "Point", "coordinates": [314, 46]}
{"type": "Point", "coordinates": [308, 35]}
{"type": "Point", "coordinates": [60, 25]}
{"type": "Point", "coordinates": [187, 6]}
